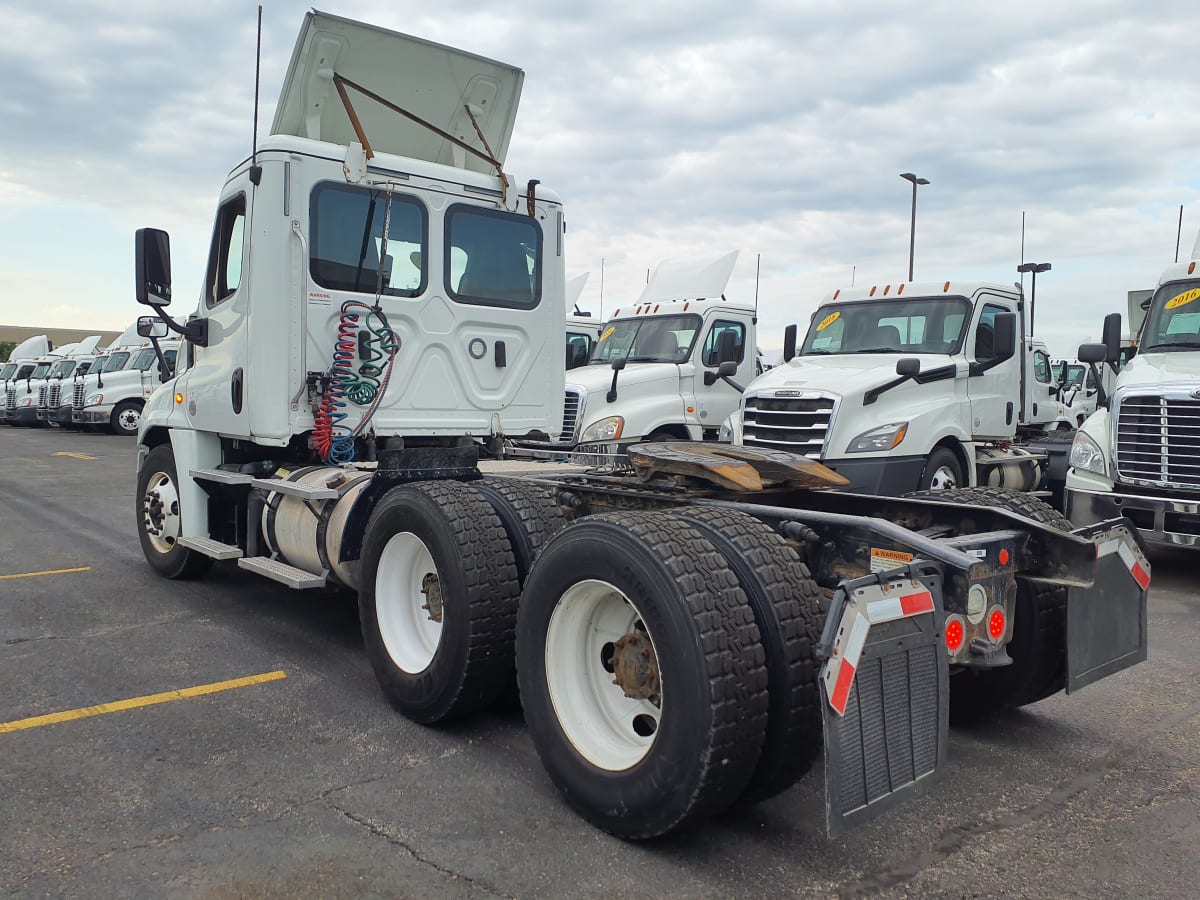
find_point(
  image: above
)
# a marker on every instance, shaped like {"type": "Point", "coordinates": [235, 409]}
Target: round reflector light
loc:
{"type": "Point", "coordinates": [996, 624]}
{"type": "Point", "coordinates": [954, 635]}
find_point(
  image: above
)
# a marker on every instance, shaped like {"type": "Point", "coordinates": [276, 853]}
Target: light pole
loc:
{"type": "Point", "coordinates": [912, 231]}
{"type": "Point", "coordinates": [1034, 268]}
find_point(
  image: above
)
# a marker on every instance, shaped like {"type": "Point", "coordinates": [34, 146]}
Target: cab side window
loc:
{"type": "Point", "coordinates": [985, 333]}
{"type": "Point", "coordinates": [225, 254]}
{"type": "Point", "coordinates": [711, 355]}
{"type": "Point", "coordinates": [1041, 367]}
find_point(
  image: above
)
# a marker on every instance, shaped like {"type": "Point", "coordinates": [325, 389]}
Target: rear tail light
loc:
{"type": "Point", "coordinates": [997, 624]}
{"type": "Point", "coordinates": [956, 633]}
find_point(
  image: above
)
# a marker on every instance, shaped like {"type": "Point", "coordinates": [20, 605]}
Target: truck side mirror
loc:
{"type": "Point", "coordinates": [727, 368]}
{"type": "Point", "coordinates": [726, 347]}
{"type": "Point", "coordinates": [1092, 353]}
{"type": "Point", "coordinates": [152, 261]}
{"type": "Point", "coordinates": [1111, 337]}
{"type": "Point", "coordinates": [908, 367]}
{"type": "Point", "coordinates": [151, 327]}
{"type": "Point", "coordinates": [789, 343]}
{"type": "Point", "coordinates": [1004, 340]}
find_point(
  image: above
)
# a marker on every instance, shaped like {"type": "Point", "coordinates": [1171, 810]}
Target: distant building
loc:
{"type": "Point", "coordinates": [58, 336]}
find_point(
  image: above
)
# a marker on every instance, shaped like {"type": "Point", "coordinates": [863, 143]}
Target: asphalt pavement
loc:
{"type": "Point", "coordinates": [247, 752]}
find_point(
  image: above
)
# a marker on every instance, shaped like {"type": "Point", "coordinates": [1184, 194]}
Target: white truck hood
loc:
{"type": "Point", "coordinates": [1160, 368]}
{"type": "Point", "coordinates": [598, 379]}
{"type": "Point", "coordinates": [852, 374]}
{"type": "Point", "coordinates": [429, 80]}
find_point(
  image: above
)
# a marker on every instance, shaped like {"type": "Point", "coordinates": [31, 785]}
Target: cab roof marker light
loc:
{"type": "Point", "coordinates": [899, 290]}
{"type": "Point", "coordinates": [835, 293]}
{"type": "Point", "coordinates": [886, 288]}
{"type": "Point", "coordinates": [946, 288]}
{"type": "Point", "coordinates": [1191, 267]}
{"type": "Point", "coordinates": [872, 293]}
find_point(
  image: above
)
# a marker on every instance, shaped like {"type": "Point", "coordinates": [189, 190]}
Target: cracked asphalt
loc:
{"type": "Point", "coordinates": [312, 786]}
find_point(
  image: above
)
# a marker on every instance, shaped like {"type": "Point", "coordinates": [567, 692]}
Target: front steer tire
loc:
{"type": "Point", "coordinates": [648, 580]}
{"type": "Point", "coordinates": [158, 518]}
{"type": "Point", "coordinates": [1039, 643]}
{"type": "Point", "coordinates": [438, 543]}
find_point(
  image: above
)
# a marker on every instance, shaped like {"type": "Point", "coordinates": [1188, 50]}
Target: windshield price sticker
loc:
{"type": "Point", "coordinates": [1183, 299]}
{"type": "Point", "coordinates": [608, 332]}
{"type": "Point", "coordinates": [829, 320]}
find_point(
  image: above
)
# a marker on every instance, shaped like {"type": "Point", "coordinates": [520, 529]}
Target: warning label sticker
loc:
{"type": "Point", "coordinates": [883, 560]}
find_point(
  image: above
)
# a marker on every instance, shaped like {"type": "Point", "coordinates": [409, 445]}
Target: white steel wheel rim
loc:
{"type": "Point", "coordinates": [943, 479]}
{"type": "Point", "coordinates": [129, 419]}
{"type": "Point", "coordinates": [409, 630]}
{"type": "Point", "coordinates": [160, 512]}
{"type": "Point", "coordinates": [596, 716]}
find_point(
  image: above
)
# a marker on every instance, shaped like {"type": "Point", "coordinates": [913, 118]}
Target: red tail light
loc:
{"type": "Point", "coordinates": [955, 634]}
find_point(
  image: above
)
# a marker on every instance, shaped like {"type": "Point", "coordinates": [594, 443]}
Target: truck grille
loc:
{"type": "Point", "coordinates": [798, 424]}
{"type": "Point", "coordinates": [572, 402]}
{"type": "Point", "coordinates": [41, 397]}
{"type": "Point", "coordinates": [77, 396]}
{"type": "Point", "coordinates": [1158, 441]}
{"type": "Point", "coordinates": [55, 400]}
{"type": "Point", "coordinates": [10, 397]}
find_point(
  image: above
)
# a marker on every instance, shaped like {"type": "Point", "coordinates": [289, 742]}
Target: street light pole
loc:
{"type": "Point", "coordinates": [1033, 268]}
{"type": "Point", "coordinates": [912, 230]}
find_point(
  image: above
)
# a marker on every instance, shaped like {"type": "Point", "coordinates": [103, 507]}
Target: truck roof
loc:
{"type": "Point", "coordinates": [676, 307]}
{"type": "Point", "coordinates": [434, 82]}
{"type": "Point", "coordinates": [892, 290]}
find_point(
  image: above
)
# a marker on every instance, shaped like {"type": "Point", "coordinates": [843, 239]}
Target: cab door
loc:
{"type": "Point", "coordinates": [215, 388]}
{"type": "Point", "coordinates": [716, 401]}
{"type": "Point", "coordinates": [994, 390]}
{"type": "Point", "coordinates": [1041, 407]}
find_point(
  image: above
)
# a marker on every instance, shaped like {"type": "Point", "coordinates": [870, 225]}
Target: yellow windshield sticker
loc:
{"type": "Point", "coordinates": [1183, 299]}
{"type": "Point", "coordinates": [829, 320]}
{"type": "Point", "coordinates": [608, 332]}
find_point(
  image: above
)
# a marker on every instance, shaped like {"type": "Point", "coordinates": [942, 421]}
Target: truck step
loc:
{"type": "Point", "coordinates": [210, 548]}
{"type": "Point", "coordinates": [297, 579]}
{"type": "Point", "coordinates": [296, 489]}
{"type": "Point", "coordinates": [221, 476]}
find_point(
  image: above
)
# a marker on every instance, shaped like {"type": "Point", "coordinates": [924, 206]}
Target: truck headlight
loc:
{"type": "Point", "coordinates": [607, 429]}
{"type": "Point", "coordinates": [26, 401]}
{"type": "Point", "coordinates": [94, 400]}
{"type": "Point", "coordinates": [730, 428]}
{"type": "Point", "coordinates": [885, 437]}
{"type": "Point", "coordinates": [1087, 455]}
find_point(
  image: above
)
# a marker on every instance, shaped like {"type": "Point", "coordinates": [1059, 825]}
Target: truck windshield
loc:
{"type": "Point", "coordinates": [145, 359]}
{"type": "Point", "coordinates": [1074, 376]}
{"type": "Point", "coordinates": [6, 372]}
{"type": "Point", "coordinates": [664, 339]}
{"type": "Point", "coordinates": [115, 362]}
{"type": "Point", "coordinates": [62, 368]}
{"type": "Point", "coordinates": [916, 325]}
{"type": "Point", "coordinates": [1174, 320]}
{"type": "Point", "coordinates": [41, 370]}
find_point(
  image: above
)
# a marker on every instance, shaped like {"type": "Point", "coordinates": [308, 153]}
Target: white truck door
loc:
{"type": "Point", "coordinates": [216, 389]}
{"type": "Point", "coordinates": [1040, 406]}
{"type": "Point", "coordinates": [714, 402]}
{"type": "Point", "coordinates": [995, 394]}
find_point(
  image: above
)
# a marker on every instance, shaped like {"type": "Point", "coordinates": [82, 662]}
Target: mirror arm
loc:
{"type": "Point", "coordinates": [733, 384]}
{"type": "Point", "coordinates": [611, 396]}
{"type": "Point", "coordinates": [195, 331]}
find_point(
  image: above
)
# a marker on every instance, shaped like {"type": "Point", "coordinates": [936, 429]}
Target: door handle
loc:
{"type": "Point", "coordinates": [235, 390]}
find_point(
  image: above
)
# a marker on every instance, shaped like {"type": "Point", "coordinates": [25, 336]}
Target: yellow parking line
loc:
{"type": "Point", "coordinates": [48, 572]}
{"type": "Point", "coordinates": [138, 702]}
{"type": "Point", "coordinates": [74, 455]}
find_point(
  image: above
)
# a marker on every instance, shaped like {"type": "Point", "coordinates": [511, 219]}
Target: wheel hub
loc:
{"type": "Point", "coordinates": [636, 668]}
{"type": "Point", "coordinates": [431, 587]}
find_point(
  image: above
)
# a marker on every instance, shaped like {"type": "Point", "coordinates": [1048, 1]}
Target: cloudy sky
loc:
{"type": "Point", "coordinates": [671, 130]}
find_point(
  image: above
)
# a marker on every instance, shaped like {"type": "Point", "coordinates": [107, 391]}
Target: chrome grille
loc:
{"type": "Point", "coordinates": [572, 401]}
{"type": "Point", "coordinates": [10, 397]}
{"type": "Point", "coordinates": [798, 424]}
{"type": "Point", "coordinates": [1158, 440]}
{"type": "Point", "coordinates": [55, 400]}
{"type": "Point", "coordinates": [41, 396]}
{"type": "Point", "coordinates": [77, 396]}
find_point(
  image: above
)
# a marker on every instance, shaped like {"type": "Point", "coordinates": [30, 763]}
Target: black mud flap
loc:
{"type": "Point", "coordinates": [1106, 623]}
{"type": "Point", "coordinates": [885, 692]}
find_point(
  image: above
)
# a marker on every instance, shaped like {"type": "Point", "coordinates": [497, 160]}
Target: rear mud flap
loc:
{"type": "Point", "coordinates": [885, 687]}
{"type": "Point", "coordinates": [1106, 623]}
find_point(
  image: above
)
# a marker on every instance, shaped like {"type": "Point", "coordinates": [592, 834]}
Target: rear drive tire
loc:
{"type": "Point", "coordinates": [159, 520]}
{"type": "Point", "coordinates": [529, 513]}
{"type": "Point", "coordinates": [643, 598]}
{"type": "Point", "coordinates": [125, 418]}
{"type": "Point", "coordinates": [1039, 643]}
{"type": "Point", "coordinates": [787, 607]}
{"type": "Point", "coordinates": [438, 600]}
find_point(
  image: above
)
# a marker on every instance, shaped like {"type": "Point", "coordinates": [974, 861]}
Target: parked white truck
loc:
{"type": "Point", "coordinates": [325, 427]}
{"type": "Point", "coordinates": [20, 366]}
{"type": "Point", "coordinates": [582, 328]}
{"type": "Point", "coordinates": [1139, 456]}
{"type": "Point", "coordinates": [909, 387]}
{"type": "Point", "coordinates": [55, 393]}
{"type": "Point", "coordinates": [113, 396]}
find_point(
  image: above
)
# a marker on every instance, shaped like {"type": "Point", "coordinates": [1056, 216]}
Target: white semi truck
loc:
{"type": "Point", "coordinates": [54, 394]}
{"type": "Point", "coordinates": [680, 642]}
{"type": "Point", "coordinates": [112, 397]}
{"type": "Point", "coordinates": [1139, 455]}
{"type": "Point", "coordinates": [583, 329]}
{"type": "Point", "coordinates": [910, 387]}
{"type": "Point", "coordinates": [20, 366]}
{"type": "Point", "coordinates": [22, 397]}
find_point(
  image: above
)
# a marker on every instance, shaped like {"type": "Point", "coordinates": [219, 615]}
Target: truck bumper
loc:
{"type": "Point", "coordinates": [61, 416]}
{"type": "Point", "coordinates": [889, 476]}
{"type": "Point", "coordinates": [1160, 520]}
{"type": "Point", "coordinates": [92, 415]}
{"type": "Point", "coordinates": [25, 415]}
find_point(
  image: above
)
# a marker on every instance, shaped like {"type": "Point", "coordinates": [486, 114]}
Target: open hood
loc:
{"type": "Point", "coordinates": [574, 290]}
{"type": "Point", "coordinates": [429, 80]}
{"type": "Point", "coordinates": [689, 279]}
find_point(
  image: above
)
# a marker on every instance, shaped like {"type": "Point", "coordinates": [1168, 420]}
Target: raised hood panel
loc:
{"type": "Point", "coordinates": [575, 290]}
{"type": "Point", "coordinates": [31, 348]}
{"type": "Point", "coordinates": [689, 279]}
{"type": "Point", "coordinates": [429, 80]}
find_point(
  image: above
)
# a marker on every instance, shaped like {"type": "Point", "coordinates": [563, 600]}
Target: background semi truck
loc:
{"type": "Point", "coordinates": [911, 387]}
{"type": "Point", "coordinates": [684, 637]}
{"type": "Point", "coordinates": [112, 397]}
{"type": "Point", "coordinates": [1139, 455]}
{"type": "Point", "coordinates": [54, 395]}
{"type": "Point", "coordinates": [21, 363]}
